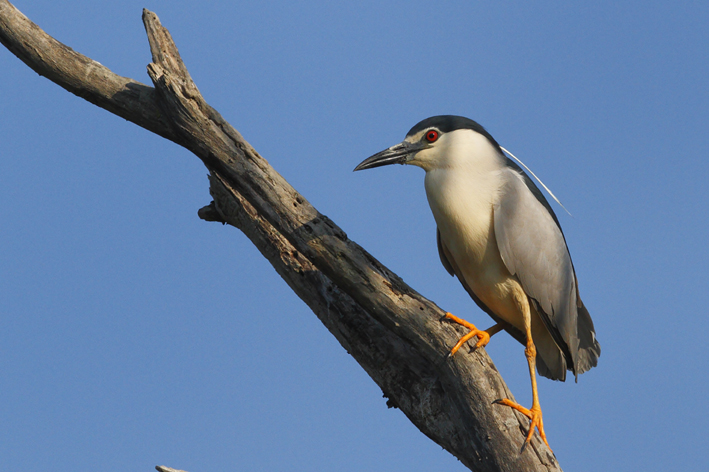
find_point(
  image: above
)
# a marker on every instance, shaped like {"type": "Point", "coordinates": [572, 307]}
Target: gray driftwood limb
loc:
{"type": "Point", "coordinates": [394, 333]}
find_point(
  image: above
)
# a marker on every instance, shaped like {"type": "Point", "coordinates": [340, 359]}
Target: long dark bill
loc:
{"type": "Point", "coordinates": [394, 155]}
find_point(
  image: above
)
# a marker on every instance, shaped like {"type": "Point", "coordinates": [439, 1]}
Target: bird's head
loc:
{"type": "Point", "coordinates": [436, 142]}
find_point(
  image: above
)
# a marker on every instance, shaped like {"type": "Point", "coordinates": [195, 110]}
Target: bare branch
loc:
{"type": "Point", "coordinates": [393, 332]}
{"type": "Point", "coordinates": [81, 75]}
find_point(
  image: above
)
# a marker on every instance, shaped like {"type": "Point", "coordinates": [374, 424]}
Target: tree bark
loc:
{"type": "Point", "coordinates": [394, 333]}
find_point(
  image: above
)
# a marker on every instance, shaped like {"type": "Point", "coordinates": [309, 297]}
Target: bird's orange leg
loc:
{"type": "Point", "coordinates": [483, 336]}
{"type": "Point", "coordinates": [535, 413]}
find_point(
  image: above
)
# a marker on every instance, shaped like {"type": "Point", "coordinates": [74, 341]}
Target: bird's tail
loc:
{"type": "Point", "coordinates": [589, 349]}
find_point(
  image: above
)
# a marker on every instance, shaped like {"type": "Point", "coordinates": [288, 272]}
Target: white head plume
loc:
{"type": "Point", "coordinates": [538, 179]}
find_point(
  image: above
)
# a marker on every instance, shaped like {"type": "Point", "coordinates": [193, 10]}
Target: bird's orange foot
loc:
{"type": "Point", "coordinates": [534, 415]}
{"type": "Point", "coordinates": [483, 336]}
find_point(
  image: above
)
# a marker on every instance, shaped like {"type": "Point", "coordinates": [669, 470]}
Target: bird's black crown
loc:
{"type": "Point", "coordinates": [448, 123]}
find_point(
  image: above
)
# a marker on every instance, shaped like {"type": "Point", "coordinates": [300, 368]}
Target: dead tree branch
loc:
{"type": "Point", "coordinates": [393, 332]}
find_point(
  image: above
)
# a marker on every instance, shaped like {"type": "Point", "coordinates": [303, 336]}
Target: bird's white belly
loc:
{"type": "Point", "coordinates": [464, 217]}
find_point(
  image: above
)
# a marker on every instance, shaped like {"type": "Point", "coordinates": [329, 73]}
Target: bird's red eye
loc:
{"type": "Point", "coordinates": [432, 136]}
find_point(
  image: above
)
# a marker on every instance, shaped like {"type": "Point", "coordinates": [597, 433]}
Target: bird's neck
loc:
{"type": "Point", "coordinates": [461, 199]}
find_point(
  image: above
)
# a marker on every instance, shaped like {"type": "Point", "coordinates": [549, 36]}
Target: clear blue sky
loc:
{"type": "Point", "coordinates": [134, 334]}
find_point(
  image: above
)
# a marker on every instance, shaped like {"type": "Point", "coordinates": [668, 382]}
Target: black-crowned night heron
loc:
{"type": "Point", "coordinates": [499, 236]}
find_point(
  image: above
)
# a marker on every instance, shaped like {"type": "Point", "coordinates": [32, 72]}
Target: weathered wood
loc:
{"type": "Point", "coordinates": [393, 332]}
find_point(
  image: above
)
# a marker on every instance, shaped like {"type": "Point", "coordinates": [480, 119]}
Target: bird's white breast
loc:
{"type": "Point", "coordinates": [462, 205]}
{"type": "Point", "coordinates": [461, 195]}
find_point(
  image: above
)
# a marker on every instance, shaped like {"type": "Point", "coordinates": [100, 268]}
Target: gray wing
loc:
{"type": "Point", "coordinates": [533, 248]}
{"type": "Point", "coordinates": [442, 253]}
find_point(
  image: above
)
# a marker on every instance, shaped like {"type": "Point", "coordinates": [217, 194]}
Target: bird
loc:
{"type": "Point", "coordinates": [497, 234]}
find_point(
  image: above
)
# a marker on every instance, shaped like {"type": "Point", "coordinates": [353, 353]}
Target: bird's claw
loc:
{"type": "Point", "coordinates": [535, 419]}
{"type": "Point", "coordinates": [483, 336]}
